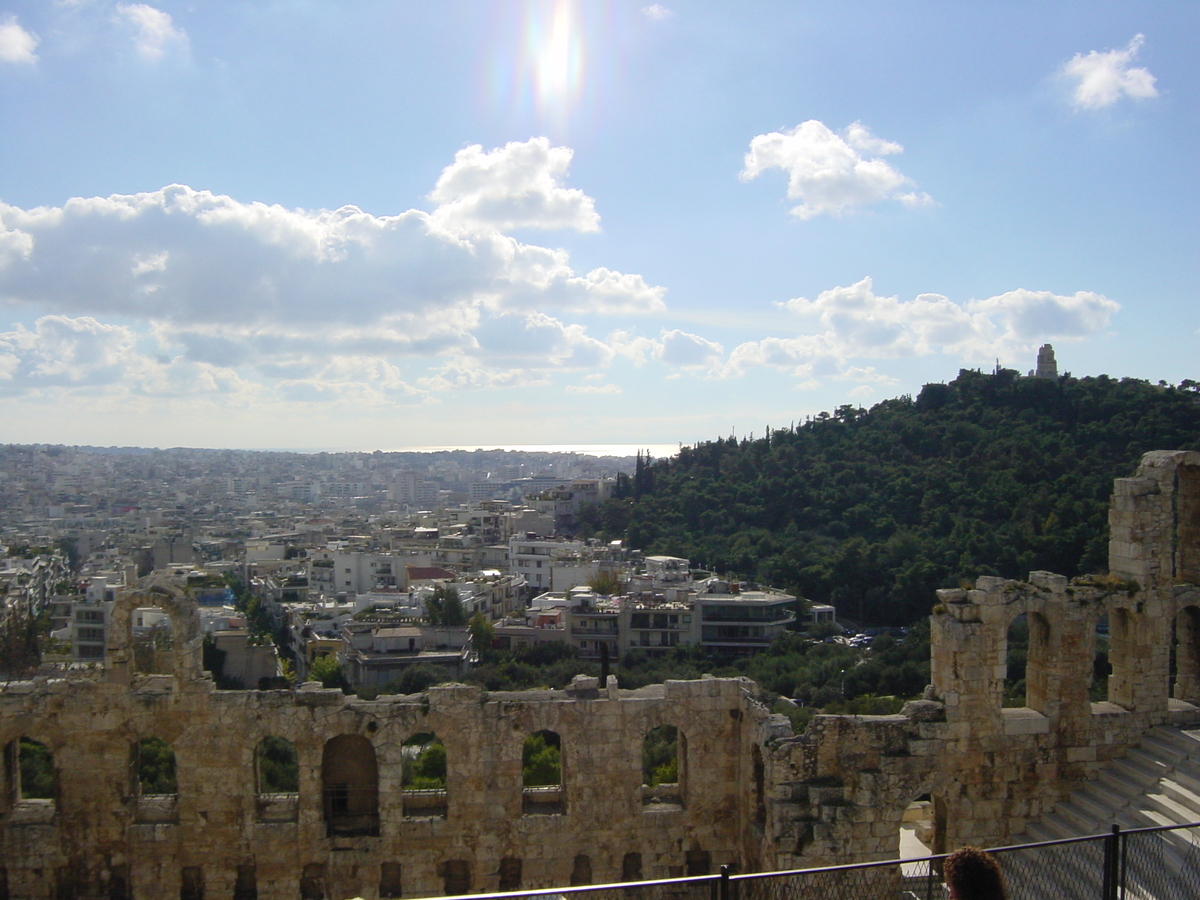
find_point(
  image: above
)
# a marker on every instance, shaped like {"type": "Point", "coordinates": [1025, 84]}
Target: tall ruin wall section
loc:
{"type": "Point", "coordinates": [751, 794]}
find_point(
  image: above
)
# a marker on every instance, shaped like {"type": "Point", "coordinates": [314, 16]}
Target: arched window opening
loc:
{"type": "Point", "coordinates": [153, 640]}
{"type": "Point", "coordinates": [1121, 658]}
{"type": "Point", "coordinates": [1185, 649]}
{"type": "Point", "coordinates": [278, 768]}
{"type": "Point", "coordinates": [1027, 643]}
{"type": "Point", "coordinates": [34, 778]}
{"type": "Point", "coordinates": [916, 836]}
{"type": "Point", "coordinates": [155, 767]}
{"type": "Point", "coordinates": [350, 787]}
{"type": "Point", "coordinates": [510, 873]}
{"type": "Point", "coordinates": [154, 780]}
{"type": "Point", "coordinates": [1101, 667]}
{"type": "Point", "coordinates": [542, 774]}
{"type": "Point", "coordinates": [191, 883]}
{"type": "Point", "coordinates": [30, 782]}
{"type": "Point", "coordinates": [1015, 662]}
{"type": "Point", "coordinates": [759, 772]}
{"type": "Point", "coordinates": [423, 778]}
{"type": "Point", "coordinates": [661, 769]}
{"type": "Point", "coordinates": [278, 776]}
{"type": "Point", "coordinates": [581, 871]}
{"type": "Point", "coordinates": [390, 884]}
{"type": "Point", "coordinates": [1187, 525]}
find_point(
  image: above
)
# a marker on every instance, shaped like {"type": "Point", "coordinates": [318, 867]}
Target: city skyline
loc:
{"type": "Point", "coordinates": [304, 226]}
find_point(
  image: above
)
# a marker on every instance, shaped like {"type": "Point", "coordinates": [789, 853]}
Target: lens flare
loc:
{"type": "Point", "coordinates": [537, 62]}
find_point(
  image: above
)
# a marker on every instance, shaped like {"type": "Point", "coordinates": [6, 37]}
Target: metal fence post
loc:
{"type": "Point", "coordinates": [1112, 855]}
{"type": "Point", "coordinates": [724, 887]}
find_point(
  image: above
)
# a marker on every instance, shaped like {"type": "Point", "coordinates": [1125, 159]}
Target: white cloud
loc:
{"type": "Point", "coordinates": [857, 323]}
{"type": "Point", "coordinates": [1104, 78]}
{"type": "Point", "coordinates": [829, 173]}
{"type": "Point", "coordinates": [657, 12]}
{"type": "Point", "coordinates": [61, 351]}
{"type": "Point", "coordinates": [675, 348]}
{"type": "Point", "coordinates": [463, 374]}
{"type": "Point", "coordinates": [593, 389]}
{"type": "Point", "coordinates": [685, 350]}
{"type": "Point", "coordinates": [192, 257]}
{"type": "Point", "coordinates": [155, 33]}
{"type": "Point", "coordinates": [518, 185]}
{"type": "Point", "coordinates": [16, 44]}
{"type": "Point", "coordinates": [228, 290]}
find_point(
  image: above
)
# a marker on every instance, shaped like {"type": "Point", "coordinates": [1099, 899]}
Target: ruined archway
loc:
{"type": "Point", "coordinates": [183, 658]}
{"type": "Point", "coordinates": [350, 786]}
{"type": "Point", "coordinates": [1186, 652]}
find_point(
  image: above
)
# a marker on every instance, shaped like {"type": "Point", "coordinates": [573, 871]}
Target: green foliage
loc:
{"type": "Point", "coordinates": [155, 767]}
{"type": "Point", "coordinates": [549, 665]}
{"type": "Point", "coordinates": [482, 632]}
{"type": "Point", "coordinates": [660, 756]}
{"type": "Point", "coordinates": [278, 768]}
{"type": "Point", "coordinates": [327, 670]}
{"type": "Point", "coordinates": [424, 766]}
{"type": "Point", "coordinates": [541, 763]}
{"type": "Point", "coordinates": [872, 510]}
{"type": "Point", "coordinates": [37, 770]}
{"type": "Point", "coordinates": [605, 583]}
{"type": "Point", "coordinates": [444, 607]}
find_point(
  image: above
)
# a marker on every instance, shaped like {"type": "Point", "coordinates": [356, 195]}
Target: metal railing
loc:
{"type": "Point", "coordinates": [1160, 863]}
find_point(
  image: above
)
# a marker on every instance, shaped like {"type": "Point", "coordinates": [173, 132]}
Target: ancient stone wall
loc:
{"type": "Point", "coordinates": [751, 794]}
{"type": "Point", "coordinates": [219, 825]}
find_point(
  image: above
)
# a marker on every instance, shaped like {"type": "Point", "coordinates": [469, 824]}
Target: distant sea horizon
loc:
{"type": "Point", "coordinates": [656, 450]}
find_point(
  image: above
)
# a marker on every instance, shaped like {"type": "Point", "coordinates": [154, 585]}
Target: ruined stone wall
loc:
{"type": "Point", "coordinates": [751, 794]}
{"type": "Point", "coordinates": [218, 823]}
{"type": "Point", "coordinates": [838, 791]}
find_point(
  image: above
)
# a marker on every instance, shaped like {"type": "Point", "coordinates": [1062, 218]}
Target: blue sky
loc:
{"type": "Point", "coordinates": [319, 225]}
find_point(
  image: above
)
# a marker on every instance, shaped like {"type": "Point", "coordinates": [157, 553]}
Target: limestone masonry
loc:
{"type": "Point", "coordinates": [749, 792]}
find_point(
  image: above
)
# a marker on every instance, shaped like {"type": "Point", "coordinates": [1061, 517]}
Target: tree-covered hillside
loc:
{"type": "Point", "coordinates": [991, 474]}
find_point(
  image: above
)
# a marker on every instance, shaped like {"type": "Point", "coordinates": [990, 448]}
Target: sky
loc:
{"type": "Point", "coordinates": [314, 225]}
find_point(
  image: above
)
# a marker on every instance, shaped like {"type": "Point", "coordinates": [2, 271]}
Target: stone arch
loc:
{"type": "Point", "coordinates": [350, 786]}
{"type": "Point", "coordinates": [1027, 660]}
{"type": "Point", "coordinates": [167, 594]}
{"type": "Point", "coordinates": [423, 773]}
{"type": "Point", "coordinates": [30, 771]}
{"type": "Point", "coordinates": [543, 772]}
{"type": "Point", "coordinates": [277, 780]}
{"type": "Point", "coordinates": [663, 768]}
{"type": "Point", "coordinates": [1186, 648]}
{"type": "Point", "coordinates": [155, 782]}
{"type": "Point", "coordinates": [277, 768]}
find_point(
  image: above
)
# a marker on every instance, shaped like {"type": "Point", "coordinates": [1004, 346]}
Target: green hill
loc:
{"type": "Point", "coordinates": [991, 474]}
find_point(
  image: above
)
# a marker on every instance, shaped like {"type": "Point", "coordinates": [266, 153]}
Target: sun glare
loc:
{"type": "Point", "coordinates": [557, 55]}
{"type": "Point", "coordinates": [537, 68]}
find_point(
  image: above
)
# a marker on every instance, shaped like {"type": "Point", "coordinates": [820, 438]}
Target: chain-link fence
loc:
{"type": "Point", "coordinates": [1140, 864]}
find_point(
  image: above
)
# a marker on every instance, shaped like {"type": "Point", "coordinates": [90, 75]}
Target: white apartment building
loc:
{"type": "Point", "coordinates": [533, 558]}
{"type": "Point", "coordinates": [354, 572]}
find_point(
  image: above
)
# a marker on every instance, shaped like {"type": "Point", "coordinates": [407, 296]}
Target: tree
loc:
{"type": "Point", "coordinates": [482, 633]}
{"type": "Point", "coordinates": [541, 764]}
{"type": "Point", "coordinates": [444, 607]}
{"type": "Point", "coordinates": [605, 583]}
{"type": "Point", "coordinates": [328, 671]}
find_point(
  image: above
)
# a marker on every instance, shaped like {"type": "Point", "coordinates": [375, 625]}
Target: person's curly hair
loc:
{"type": "Point", "coordinates": [974, 874]}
